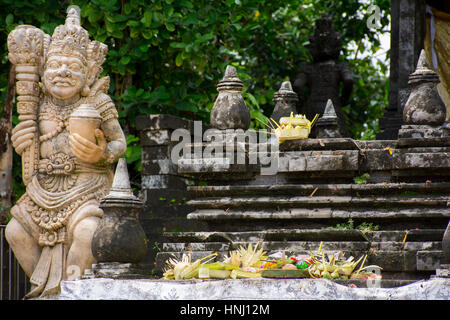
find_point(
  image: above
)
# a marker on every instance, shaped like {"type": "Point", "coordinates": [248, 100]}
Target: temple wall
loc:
{"type": "Point", "coordinates": [319, 183]}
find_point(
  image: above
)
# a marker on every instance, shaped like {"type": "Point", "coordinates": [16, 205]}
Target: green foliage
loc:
{"type": "Point", "coordinates": [368, 226]}
{"type": "Point", "coordinates": [362, 179]}
{"type": "Point", "coordinates": [343, 226]}
{"type": "Point", "coordinates": [349, 225]}
{"type": "Point", "coordinates": [167, 56]}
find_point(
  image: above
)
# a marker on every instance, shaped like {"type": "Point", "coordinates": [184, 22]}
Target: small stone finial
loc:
{"type": "Point", "coordinates": [286, 92]}
{"type": "Point", "coordinates": [286, 88]}
{"type": "Point", "coordinates": [230, 72]}
{"type": "Point", "coordinates": [329, 110]}
{"type": "Point", "coordinates": [424, 105]}
{"type": "Point", "coordinates": [229, 110]}
{"type": "Point", "coordinates": [423, 72]}
{"type": "Point", "coordinates": [121, 187]}
{"type": "Point", "coordinates": [285, 101]}
{"type": "Point", "coordinates": [230, 80]}
{"type": "Point", "coordinates": [121, 179]}
{"type": "Point", "coordinates": [328, 125]}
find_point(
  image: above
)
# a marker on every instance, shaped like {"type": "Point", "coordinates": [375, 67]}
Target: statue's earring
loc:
{"type": "Point", "coordinates": [86, 91]}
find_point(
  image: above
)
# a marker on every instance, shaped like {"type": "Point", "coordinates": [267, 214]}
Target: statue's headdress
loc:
{"type": "Point", "coordinates": [70, 39]}
{"type": "Point", "coordinates": [326, 42]}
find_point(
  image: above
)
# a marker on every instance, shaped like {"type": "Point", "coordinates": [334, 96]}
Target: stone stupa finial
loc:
{"type": "Point", "coordinates": [285, 101]}
{"type": "Point", "coordinates": [229, 110]}
{"type": "Point", "coordinates": [329, 110]}
{"type": "Point", "coordinates": [121, 187]}
{"type": "Point", "coordinates": [424, 105]}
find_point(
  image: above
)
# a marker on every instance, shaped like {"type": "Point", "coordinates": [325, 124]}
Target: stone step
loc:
{"type": "Point", "coordinates": [303, 201]}
{"type": "Point", "coordinates": [319, 214]}
{"type": "Point", "coordinates": [329, 246]}
{"type": "Point", "coordinates": [401, 189]}
{"type": "Point", "coordinates": [314, 235]}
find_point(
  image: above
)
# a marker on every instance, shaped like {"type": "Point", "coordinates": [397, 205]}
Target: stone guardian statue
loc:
{"type": "Point", "coordinates": [324, 76]}
{"type": "Point", "coordinates": [69, 138]}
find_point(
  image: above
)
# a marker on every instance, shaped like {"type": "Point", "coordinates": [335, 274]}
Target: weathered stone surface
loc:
{"type": "Point", "coordinates": [164, 181]}
{"type": "Point", "coordinates": [328, 125]}
{"type": "Point", "coordinates": [428, 260]}
{"type": "Point", "coordinates": [229, 110]}
{"type": "Point", "coordinates": [267, 202]}
{"type": "Point", "coordinates": [318, 161]}
{"type": "Point", "coordinates": [204, 165]}
{"type": "Point", "coordinates": [313, 213]}
{"type": "Point", "coordinates": [315, 235]}
{"type": "Point", "coordinates": [117, 270]}
{"type": "Point", "coordinates": [156, 137]}
{"type": "Point", "coordinates": [156, 152]}
{"type": "Point", "coordinates": [119, 236]}
{"type": "Point", "coordinates": [285, 102]}
{"type": "Point", "coordinates": [319, 144]}
{"type": "Point", "coordinates": [159, 167]}
{"type": "Point", "coordinates": [321, 189]}
{"type": "Point", "coordinates": [424, 105]}
{"type": "Point", "coordinates": [442, 272]}
{"type": "Point", "coordinates": [422, 132]}
{"type": "Point", "coordinates": [407, 160]}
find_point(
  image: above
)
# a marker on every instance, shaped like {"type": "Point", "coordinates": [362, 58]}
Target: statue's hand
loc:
{"type": "Point", "coordinates": [87, 151]}
{"type": "Point", "coordinates": [22, 135]}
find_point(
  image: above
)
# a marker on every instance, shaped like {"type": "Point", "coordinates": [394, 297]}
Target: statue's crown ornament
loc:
{"type": "Point", "coordinates": [70, 39]}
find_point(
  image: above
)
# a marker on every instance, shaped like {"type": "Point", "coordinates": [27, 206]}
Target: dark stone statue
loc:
{"type": "Point", "coordinates": [323, 78]}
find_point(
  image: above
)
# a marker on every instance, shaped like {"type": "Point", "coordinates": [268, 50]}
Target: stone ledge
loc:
{"type": "Point", "coordinates": [413, 236]}
{"type": "Point", "coordinates": [425, 250]}
{"type": "Point", "coordinates": [322, 189]}
{"type": "Point", "coordinates": [322, 213]}
{"type": "Point", "coordinates": [301, 202]}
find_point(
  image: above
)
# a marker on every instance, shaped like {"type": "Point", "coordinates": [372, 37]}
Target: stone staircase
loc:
{"type": "Point", "coordinates": [398, 216]}
{"type": "Point", "coordinates": [407, 222]}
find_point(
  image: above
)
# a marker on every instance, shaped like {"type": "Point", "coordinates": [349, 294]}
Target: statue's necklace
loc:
{"type": "Point", "coordinates": [59, 113]}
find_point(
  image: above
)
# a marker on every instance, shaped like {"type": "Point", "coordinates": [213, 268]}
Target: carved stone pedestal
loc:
{"type": "Point", "coordinates": [422, 132]}
{"type": "Point", "coordinates": [119, 236]}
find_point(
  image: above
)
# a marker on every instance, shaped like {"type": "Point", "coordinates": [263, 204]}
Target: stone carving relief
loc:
{"type": "Point", "coordinates": [69, 138]}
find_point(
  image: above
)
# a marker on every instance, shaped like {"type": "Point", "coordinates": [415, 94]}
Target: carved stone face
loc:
{"type": "Point", "coordinates": [64, 77]}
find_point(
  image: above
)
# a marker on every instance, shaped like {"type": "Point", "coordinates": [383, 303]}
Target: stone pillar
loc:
{"type": "Point", "coordinates": [164, 189]}
{"type": "Point", "coordinates": [407, 36]}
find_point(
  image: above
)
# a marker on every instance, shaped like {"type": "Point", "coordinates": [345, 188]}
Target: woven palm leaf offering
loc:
{"type": "Point", "coordinates": [320, 266]}
{"type": "Point", "coordinates": [293, 127]}
{"type": "Point", "coordinates": [185, 268]}
{"type": "Point", "coordinates": [241, 263]}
